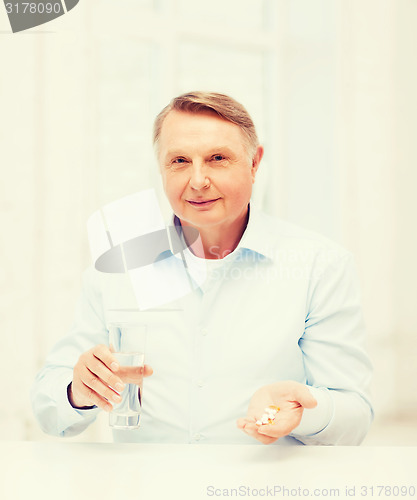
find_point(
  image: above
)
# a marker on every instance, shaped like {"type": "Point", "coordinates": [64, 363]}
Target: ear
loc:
{"type": "Point", "coordinates": [256, 161]}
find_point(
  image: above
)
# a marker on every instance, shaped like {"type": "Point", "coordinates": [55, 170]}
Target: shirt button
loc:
{"type": "Point", "coordinates": [200, 383]}
{"type": "Point", "coordinates": [197, 437]}
{"type": "Point", "coordinates": [204, 331]}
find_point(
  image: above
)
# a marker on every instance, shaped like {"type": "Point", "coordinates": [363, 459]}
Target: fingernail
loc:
{"type": "Point", "coordinates": [116, 398]}
{"type": "Point", "coordinates": [119, 386]}
{"type": "Point", "coordinates": [114, 366]}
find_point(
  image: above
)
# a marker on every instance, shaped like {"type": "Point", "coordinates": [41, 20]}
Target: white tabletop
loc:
{"type": "Point", "coordinates": [61, 470]}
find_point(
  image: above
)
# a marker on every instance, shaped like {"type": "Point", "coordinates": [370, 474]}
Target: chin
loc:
{"type": "Point", "coordinates": [202, 220]}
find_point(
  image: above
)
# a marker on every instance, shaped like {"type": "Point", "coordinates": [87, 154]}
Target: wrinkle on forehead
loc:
{"type": "Point", "coordinates": [188, 133]}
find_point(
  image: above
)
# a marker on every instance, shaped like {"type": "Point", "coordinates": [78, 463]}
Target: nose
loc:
{"type": "Point", "coordinates": [199, 179]}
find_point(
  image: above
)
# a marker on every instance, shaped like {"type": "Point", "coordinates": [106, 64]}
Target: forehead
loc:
{"type": "Point", "coordinates": [203, 129]}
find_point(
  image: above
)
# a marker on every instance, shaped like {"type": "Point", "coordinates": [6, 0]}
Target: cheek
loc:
{"type": "Point", "coordinates": [173, 186]}
{"type": "Point", "coordinates": [238, 191]}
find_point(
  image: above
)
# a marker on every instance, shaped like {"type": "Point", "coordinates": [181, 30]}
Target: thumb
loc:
{"type": "Point", "coordinates": [147, 371]}
{"type": "Point", "coordinates": [304, 397]}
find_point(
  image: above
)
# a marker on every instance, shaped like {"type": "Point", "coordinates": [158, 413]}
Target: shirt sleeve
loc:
{"type": "Point", "coordinates": [53, 411]}
{"type": "Point", "coordinates": [335, 359]}
{"type": "Point", "coordinates": [316, 419]}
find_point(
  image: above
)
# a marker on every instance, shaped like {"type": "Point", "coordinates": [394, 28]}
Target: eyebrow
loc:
{"type": "Point", "coordinates": [211, 151]}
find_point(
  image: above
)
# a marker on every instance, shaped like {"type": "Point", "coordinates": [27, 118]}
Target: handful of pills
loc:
{"type": "Point", "coordinates": [268, 418]}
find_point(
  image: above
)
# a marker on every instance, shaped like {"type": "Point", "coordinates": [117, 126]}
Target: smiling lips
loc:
{"type": "Point", "coordinates": [202, 203]}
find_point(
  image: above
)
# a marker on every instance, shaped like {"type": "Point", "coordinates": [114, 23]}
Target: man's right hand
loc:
{"type": "Point", "coordinates": [95, 380]}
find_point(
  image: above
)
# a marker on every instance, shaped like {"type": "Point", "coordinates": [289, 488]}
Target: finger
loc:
{"type": "Point", "coordinates": [251, 429]}
{"type": "Point", "coordinates": [304, 396]}
{"type": "Point", "coordinates": [274, 430]}
{"type": "Point", "coordinates": [98, 368]}
{"type": "Point", "coordinates": [95, 385]}
{"type": "Point", "coordinates": [96, 399]}
{"type": "Point", "coordinates": [134, 374]}
{"type": "Point", "coordinates": [137, 371]}
{"type": "Point", "coordinates": [147, 371]}
{"type": "Point", "coordinates": [242, 422]}
{"type": "Point", "coordinates": [81, 396]}
{"type": "Point", "coordinates": [103, 353]}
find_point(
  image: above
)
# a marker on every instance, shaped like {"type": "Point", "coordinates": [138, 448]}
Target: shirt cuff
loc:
{"type": "Point", "coordinates": [316, 419]}
{"type": "Point", "coordinates": [68, 415]}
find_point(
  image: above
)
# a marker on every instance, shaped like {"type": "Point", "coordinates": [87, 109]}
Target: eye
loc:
{"type": "Point", "coordinates": [218, 157]}
{"type": "Point", "coordinates": [179, 160]}
{"type": "Point", "coordinates": [178, 163]}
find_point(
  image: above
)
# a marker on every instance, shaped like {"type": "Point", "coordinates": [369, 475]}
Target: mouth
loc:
{"type": "Point", "coordinates": [203, 203]}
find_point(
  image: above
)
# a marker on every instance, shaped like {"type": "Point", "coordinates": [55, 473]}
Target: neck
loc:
{"type": "Point", "coordinates": [216, 242]}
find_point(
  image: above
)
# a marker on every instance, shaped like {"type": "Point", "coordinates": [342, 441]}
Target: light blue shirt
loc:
{"type": "Point", "coordinates": [284, 305]}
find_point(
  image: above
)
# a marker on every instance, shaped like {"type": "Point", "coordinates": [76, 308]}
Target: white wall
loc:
{"type": "Point", "coordinates": [331, 87]}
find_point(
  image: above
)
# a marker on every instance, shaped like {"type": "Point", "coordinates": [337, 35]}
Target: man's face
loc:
{"type": "Point", "coordinates": [206, 169]}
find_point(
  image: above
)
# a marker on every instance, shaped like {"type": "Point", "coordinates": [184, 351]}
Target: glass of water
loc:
{"type": "Point", "coordinates": [127, 341]}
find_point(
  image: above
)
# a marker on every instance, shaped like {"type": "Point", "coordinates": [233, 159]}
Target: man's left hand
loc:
{"type": "Point", "coordinates": [291, 398]}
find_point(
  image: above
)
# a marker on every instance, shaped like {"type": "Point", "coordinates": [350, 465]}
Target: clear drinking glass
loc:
{"type": "Point", "coordinates": [128, 342]}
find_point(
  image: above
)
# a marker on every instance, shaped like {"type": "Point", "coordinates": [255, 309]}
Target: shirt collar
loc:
{"type": "Point", "coordinates": [256, 238]}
